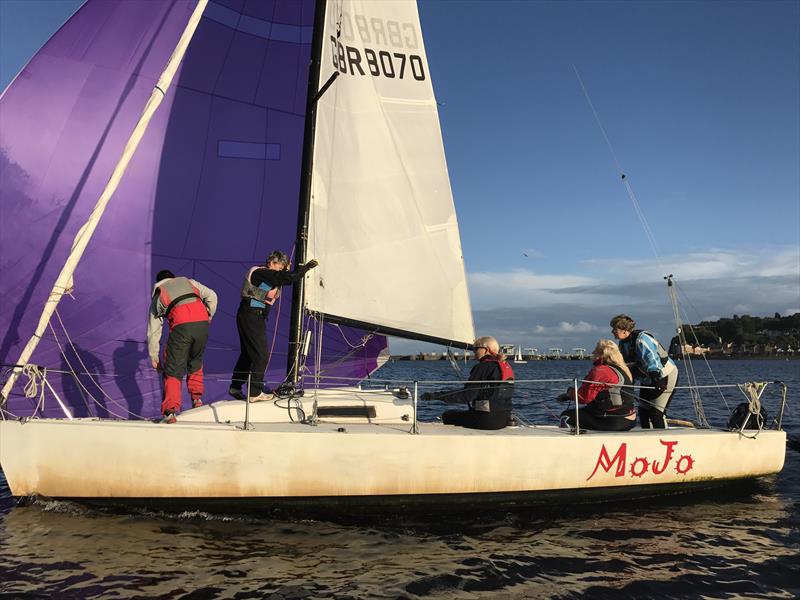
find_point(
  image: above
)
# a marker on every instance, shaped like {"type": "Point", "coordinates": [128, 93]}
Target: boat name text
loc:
{"type": "Point", "coordinates": [641, 464]}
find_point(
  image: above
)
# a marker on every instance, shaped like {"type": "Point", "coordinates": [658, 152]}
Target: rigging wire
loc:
{"type": "Point", "coordinates": [696, 400]}
{"type": "Point", "coordinates": [77, 379]}
{"type": "Point", "coordinates": [687, 361]}
{"type": "Point", "coordinates": [697, 343]}
{"type": "Point", "coordinates": [636, 206]}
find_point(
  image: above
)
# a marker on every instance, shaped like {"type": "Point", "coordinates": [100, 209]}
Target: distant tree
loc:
{"type": "Point", "coordinates": [748, 331]}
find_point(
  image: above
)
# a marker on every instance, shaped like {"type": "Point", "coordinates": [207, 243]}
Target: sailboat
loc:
{"type": "Point", "coordinates": [518, 360]}
{"type": "Point", "coordinates": [291, 124]}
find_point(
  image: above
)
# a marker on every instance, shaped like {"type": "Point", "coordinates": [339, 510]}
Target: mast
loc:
{"type": "Point", "coordinates": [312, 95]}
{"type": "Point", "coordinates": [64, 283]}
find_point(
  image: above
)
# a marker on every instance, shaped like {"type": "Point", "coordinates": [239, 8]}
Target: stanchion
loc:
{"type": "Point", "coordinates": [577, 408]}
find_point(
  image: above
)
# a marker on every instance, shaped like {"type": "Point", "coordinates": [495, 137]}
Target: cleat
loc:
{"type": "Point", "coordinates": [235, 393]}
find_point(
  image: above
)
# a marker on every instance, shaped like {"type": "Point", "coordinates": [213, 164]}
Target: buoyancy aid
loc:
{"type": "Point", "coordinates": [182, 301]}
{"type": "Point", "coordinates": [263, 294]}
{"type": "Point", "coordinates": [628, 349]}
{"type": "Point", "coordinates": [617, 398]}
{"type": "Point", "coordinates": [505, 390]}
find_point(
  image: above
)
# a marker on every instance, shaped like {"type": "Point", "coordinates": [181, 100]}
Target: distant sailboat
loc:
{"type": "Point", "coordinates": [253, 150]}
{"type": "Point", "coordinates": [518, 360]}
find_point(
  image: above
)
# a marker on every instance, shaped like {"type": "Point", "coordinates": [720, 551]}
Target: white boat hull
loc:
{"type": "Point", "coordinates": [208, 455]}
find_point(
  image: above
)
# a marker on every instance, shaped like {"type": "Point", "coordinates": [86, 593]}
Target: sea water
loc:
{"type": "Point", "coordinates": [737, 541]}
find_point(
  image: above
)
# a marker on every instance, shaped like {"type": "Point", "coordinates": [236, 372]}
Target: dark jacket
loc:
{"type": "Point", "coordinates": [484, 397]}
{"type": "Point", "coordinates": [273, 279]}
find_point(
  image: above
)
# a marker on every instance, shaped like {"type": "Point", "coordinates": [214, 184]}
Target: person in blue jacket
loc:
{"type": "Point", "coordinates": [652, 368]}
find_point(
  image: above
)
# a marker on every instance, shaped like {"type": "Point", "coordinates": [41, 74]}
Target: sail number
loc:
{"type": "Point", "coordinates": [393, 65]}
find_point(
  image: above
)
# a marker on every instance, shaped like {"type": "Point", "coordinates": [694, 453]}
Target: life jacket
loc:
{"type": "Point", "coordinates": [505, 389]}
{"type": "Point", "coordinates": [628, 350]}
{"type": "Point", "coordinates": [263, 294]}
{"type": "Point", "coordinates": [617, 398]}
{"type": "Point", "coordinates": [182, 301]}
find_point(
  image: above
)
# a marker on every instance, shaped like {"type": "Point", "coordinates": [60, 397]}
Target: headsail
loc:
{"type": "Point", "coordinates": [212, 189]}
{"type": "Point", "coordinates": [382, 221]}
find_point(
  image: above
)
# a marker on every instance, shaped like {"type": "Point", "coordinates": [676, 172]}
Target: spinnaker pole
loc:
{"type": "Point", "coordinates": [304, 206]}
{"type": "Point", "coordinates": [64, 281]}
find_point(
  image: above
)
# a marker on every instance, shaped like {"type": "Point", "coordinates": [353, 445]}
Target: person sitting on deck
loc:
{"type": "Point", "coordinates": [487, 393]}
{"type": "Point", "coordinates": [607, 393]}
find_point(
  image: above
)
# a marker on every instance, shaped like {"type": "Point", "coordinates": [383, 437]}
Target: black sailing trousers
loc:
{"type": "Point", "coordinates": [253, 354]}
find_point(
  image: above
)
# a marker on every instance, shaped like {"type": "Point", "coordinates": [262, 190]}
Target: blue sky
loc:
{"type": "Point", "coordinates": [700, 101]}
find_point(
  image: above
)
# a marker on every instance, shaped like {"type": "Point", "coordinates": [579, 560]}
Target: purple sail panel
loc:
{"type": "Point", "coordinates": [212, 189]}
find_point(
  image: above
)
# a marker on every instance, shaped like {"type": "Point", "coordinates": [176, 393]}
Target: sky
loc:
{"type": "Point", "coordinates": [700, 103]}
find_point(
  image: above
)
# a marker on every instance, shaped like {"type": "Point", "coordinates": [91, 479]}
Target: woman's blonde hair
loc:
{"type": "Point", "coordinates": [487, 342]}
{"type": "Point", "coordinates": [608, 353]}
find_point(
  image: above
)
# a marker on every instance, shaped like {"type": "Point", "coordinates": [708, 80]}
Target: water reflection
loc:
{"type": "Point", "coordinates": [744, 545]}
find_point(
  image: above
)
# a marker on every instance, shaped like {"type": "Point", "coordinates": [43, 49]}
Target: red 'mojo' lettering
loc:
{"type": "Point", "coordinates": [605, 461]}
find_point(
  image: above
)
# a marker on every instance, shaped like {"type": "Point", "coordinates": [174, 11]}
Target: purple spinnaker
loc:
{"type": "Point", "coordinates": [212, 189]}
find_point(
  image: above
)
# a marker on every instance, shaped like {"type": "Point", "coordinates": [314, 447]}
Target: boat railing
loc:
{"type": "Point", "coordinates": [381, 385]}
{"type": "Point", "coordinates": [37, 386]}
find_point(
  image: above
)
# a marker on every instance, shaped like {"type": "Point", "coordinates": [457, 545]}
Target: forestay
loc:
{"type": "Point", "coordinates": [382, 221]}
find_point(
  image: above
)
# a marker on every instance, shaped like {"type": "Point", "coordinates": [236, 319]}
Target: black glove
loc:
{"type": "Point", "coordinates": [311, 264]}
{"type": "Point", "coordinates": [658, 382]}
{"type": "Point", "coordinates": [565, 397]}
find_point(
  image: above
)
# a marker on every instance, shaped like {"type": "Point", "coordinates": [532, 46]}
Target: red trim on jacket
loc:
{"type": "Point", "coordinates": [190, 312]}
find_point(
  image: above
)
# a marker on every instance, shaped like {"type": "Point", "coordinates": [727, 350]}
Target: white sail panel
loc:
{"type": "Point", "coordinates": [382, 222]}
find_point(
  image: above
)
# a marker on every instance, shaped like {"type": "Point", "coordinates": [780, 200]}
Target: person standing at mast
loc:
{"type": "Point", "coordinates": [260, 289]}
{"type": "Point", "coordinates": [188, 307]}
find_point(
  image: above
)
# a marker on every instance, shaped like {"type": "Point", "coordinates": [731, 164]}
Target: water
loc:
{"type": "Point", "coordinates": [739, 541]}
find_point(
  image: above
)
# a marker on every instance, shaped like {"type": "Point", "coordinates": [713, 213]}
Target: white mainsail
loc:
{"type": "Point", "coordinates": [382, 221]}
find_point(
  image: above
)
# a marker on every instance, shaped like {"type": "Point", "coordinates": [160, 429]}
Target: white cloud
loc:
{"type": "Point", "coordinates": [573, 309]}
{"type": "Point", "coordinates": [566, 327]}
{"type": "Point", "coordinates": [760, 262]}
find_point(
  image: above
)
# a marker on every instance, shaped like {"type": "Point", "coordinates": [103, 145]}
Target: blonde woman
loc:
{"type": "Point", "coordinates": [607, 393]}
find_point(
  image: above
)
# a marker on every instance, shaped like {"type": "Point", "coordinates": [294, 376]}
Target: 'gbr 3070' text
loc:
{"type": "Point", "coordinates": [378, 63]}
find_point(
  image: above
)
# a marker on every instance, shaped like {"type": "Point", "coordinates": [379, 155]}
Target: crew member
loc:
{"type": "Point", "coordinates": [652, 368]}
{"type": "Point", "coordinates": [260, 289]}
{"type": "Point", "coordinates": [607, 393]}
{"type": "Point", "coordinates": [188, 307]}
{"type": "Point", "coordinates": [487, 392]}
